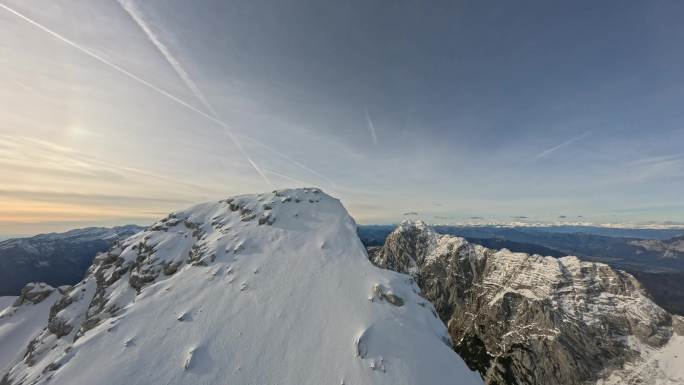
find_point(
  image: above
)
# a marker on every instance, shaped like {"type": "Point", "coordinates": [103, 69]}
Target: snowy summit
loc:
{"type": "Point", "coordinates": [272, 288]}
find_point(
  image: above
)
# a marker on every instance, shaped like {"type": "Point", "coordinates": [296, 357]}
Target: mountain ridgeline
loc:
{"type": "Point", "coordinates": [272, 288]}
{"type": "Point", "coordinates": [277, 288]}
{"type": "Point", "coordinates": [657, 261]}
{"type": "Point", "coordinates": [527, 319]}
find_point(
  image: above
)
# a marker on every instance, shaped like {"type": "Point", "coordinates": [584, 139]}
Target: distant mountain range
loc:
{"type": "Point", "coordinates": [62, 258]}
{"type": "Point", "coordinates": [655, 256]}
{"type": "Point", "coordinates": [648, 250]}
{"type": "Point", "coordinates": [277, 288]}
{"type": "Point", "coordinates": [55, 258]}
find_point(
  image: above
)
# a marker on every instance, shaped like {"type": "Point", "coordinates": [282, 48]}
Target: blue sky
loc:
{"type": "Point", "coordinates": [119, 112]}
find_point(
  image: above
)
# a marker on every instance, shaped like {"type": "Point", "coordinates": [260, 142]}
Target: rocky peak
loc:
{"type": "Point", "coordinates": [530, 319]}
{"type": "Point", "coordinates": [405, 248]}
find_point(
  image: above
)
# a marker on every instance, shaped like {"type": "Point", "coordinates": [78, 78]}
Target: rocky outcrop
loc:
{"type": "Point", "coordinates": [528, 319]}
{"type": "Point", "coordinates": [34, 292]}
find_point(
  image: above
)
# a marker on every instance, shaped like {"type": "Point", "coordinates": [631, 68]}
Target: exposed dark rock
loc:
{"type": "Point", "coordinates": [34, 293]}
{"type": "Point", "coordinates": [527, 319]}
{"type": "Point", "coordinates": [380, 293]}
{"type": "Point", "coordinates": [59, 327]}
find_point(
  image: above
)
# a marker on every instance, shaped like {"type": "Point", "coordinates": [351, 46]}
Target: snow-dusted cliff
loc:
{"type": "Point", "coordinates": [24, 318]}
{"type": "Point", "coordinates": [260, 289]}
{"type": "Point", "coordinates": [529, 319]}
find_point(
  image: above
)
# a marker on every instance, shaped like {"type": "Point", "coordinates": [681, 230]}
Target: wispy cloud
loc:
{"type": "Point", "coordinates": [661, 159]}
{"type": "Point", "coordinates": [371, 126]}
{"type": "Point", "coordinates": [68, 185]}
{"type": "Point", "coordinates": [664, 166]}
{"type": "Point", "coordinates": [568, 142]}
{"type": "Point", "coordinates": [88, 199]}
{"type": "Point", "coordinates": [19, 153]}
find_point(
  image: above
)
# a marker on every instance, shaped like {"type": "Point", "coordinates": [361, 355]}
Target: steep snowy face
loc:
{"type": "Point", "coordinates": [258, 289]}
{"type": "Point", "coordinates": [24, 319]}
{"type": "Point", "coordinates": [529, 319]}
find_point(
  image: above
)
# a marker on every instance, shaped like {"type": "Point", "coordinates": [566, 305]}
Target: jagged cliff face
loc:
{"type": "Point", "coordinates": [273, 288]}
{"type": "Point", "coordinates": [528, 319]}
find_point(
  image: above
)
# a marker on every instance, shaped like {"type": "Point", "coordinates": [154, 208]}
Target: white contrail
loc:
{"type": "Point", "coordinates": [566, 143]}
{"type": "Point", "coordinates": [371, 126]}
{"type": "Point", "coordinates": [140, 80]}
{"type": "Point", "coordinates": [130, 7]}
{"type": "Point", "coordinates": [297, 181]}
{"type": "Point", "coordinates": [289, 159]}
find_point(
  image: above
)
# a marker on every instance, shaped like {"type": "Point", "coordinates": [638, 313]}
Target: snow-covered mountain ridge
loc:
{"type": "Point", "coordinates": [529, 319]}
{"type": "Point", "coordinates": [258, 289]}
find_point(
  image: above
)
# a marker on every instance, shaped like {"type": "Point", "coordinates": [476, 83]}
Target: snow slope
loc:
{"type": "Point", "coordinates": [19, 324]}
{"type": "Point", "coordinates": [259, 289]}
{"type": "Point", "coordinates": [661, 366]}
{"type": "Point", "coordinates": [6, 301]}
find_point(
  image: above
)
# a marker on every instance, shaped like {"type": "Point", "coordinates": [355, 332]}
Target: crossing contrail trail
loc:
{"type": "Point", "coordinates": [289, 159]}
{"type": "Point", "coordinates": [130, 7]}
{"type": "Point", "coordinates": [297, 181]}
{"type": "Point", "coordinates": [133, 11]}
{"type": "Point", "coordinates": [142, 81]}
